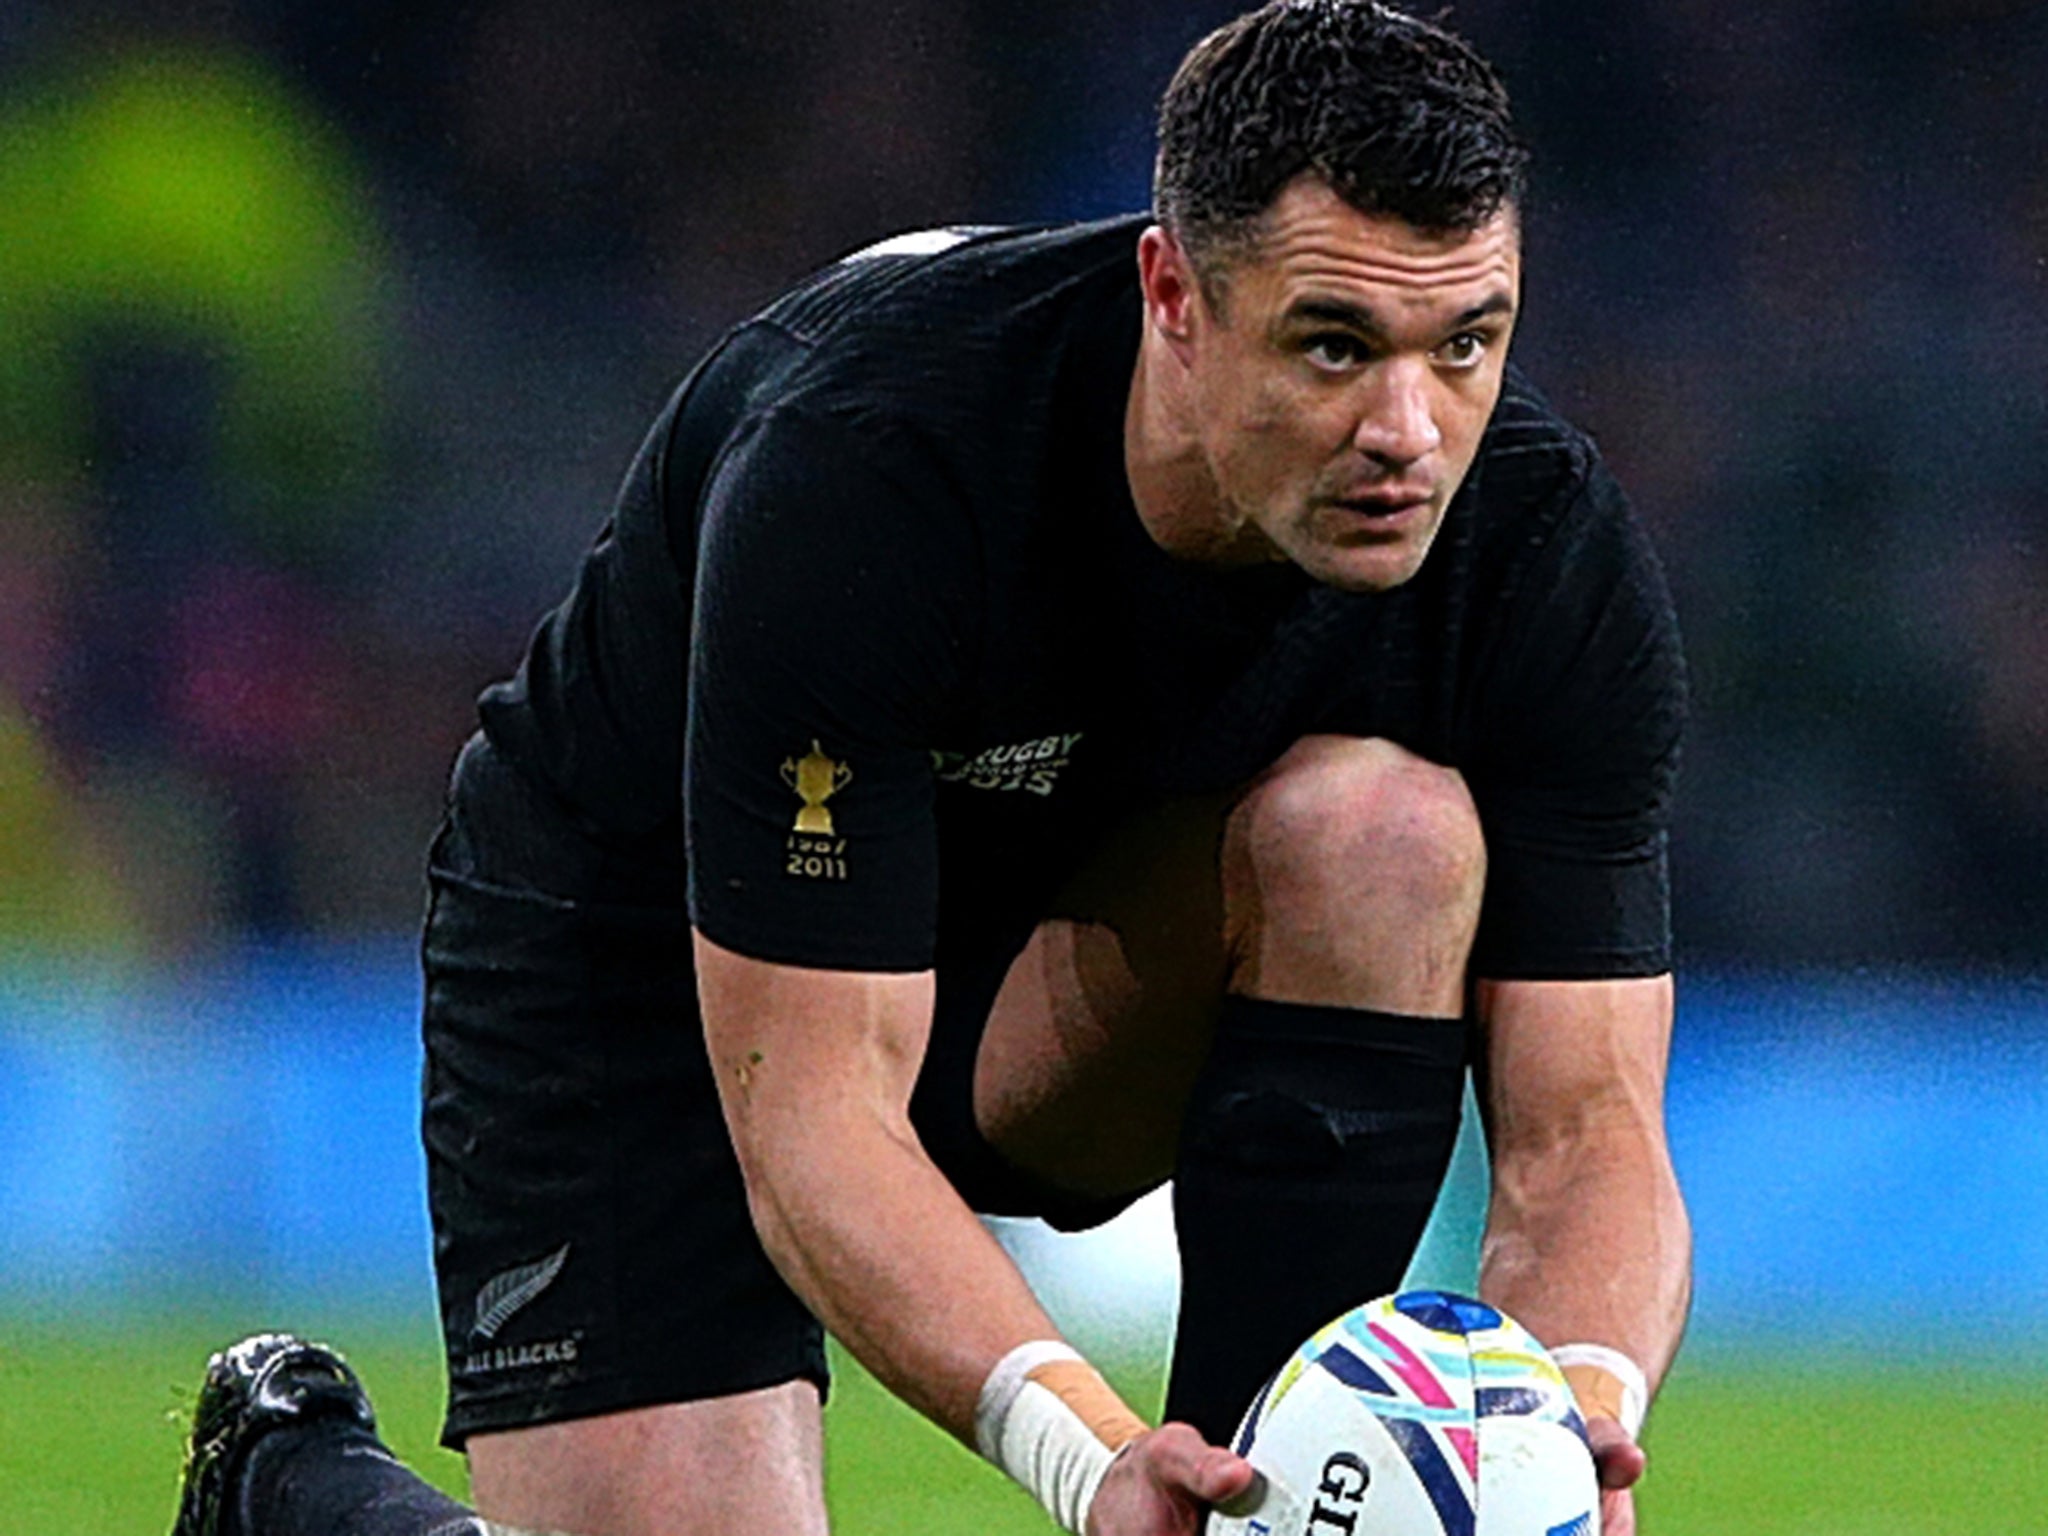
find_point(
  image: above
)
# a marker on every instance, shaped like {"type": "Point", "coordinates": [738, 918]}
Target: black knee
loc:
{"type": "Point", "coordinates": [1313, 1149]}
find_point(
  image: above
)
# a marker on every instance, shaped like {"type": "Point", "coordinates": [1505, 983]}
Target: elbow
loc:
{"type": "Point", "coordinates": [1614, 1195]}
{"type": "Point", "coordinates": [1613, 1172]}
{"type": "Point", "coordinates": [776, 1208]}
{"type": "Point", "coordinates": [772, 1178]}
{"type": "Point", "coordinates": [805, 1170]}
{"type": "Point", "coordinates": [1569, 1165]}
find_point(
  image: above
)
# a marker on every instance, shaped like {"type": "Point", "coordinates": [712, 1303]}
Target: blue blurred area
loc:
{"type": "Point", "coordinates": [1862, 1155]}
{"type": "Point", "coordinates": [242, 1131]}
{"type": "Point", "coordinates": [1865, 1155]}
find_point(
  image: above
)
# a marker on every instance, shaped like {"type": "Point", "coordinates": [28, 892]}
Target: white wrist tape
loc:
{"type": "Point", "coordinates": [1046, 1418]}
{"type": "Point", "coordinates": [1630, 1398]}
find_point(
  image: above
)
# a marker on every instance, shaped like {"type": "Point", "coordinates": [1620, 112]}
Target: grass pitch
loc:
{"type": "Point", "coordinates": [91, 1422]}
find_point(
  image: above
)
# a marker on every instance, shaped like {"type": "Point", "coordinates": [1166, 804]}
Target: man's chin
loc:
{"type": "Point", "coordinates": [1357, 555]}
{"type": "Point", "coordinates": [1363, 568]}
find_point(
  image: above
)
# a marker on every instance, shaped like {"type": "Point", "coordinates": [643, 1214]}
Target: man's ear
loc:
{"type": "Point", "coordinates": [1172, 292]}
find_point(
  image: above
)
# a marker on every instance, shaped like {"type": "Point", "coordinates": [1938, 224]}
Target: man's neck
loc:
{"type": "Point", "coordinates": [1172, 484]}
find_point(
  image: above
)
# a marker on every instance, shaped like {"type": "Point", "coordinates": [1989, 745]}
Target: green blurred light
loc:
{"type": "Point", "coordinates": [193, 199]}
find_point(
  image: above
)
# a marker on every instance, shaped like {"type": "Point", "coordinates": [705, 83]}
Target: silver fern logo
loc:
{"type": "Point", "coordinates": [502, 1298]}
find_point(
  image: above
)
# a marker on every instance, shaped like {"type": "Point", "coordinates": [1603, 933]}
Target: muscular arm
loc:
{"type": "Point", "coordinates": [1586, 1237]}
{"type": "Point", "coordinates": [815, 1070]}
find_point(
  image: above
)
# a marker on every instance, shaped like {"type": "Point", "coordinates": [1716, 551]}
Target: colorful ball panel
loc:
{"type": "Point", "coordinates": [1423, 1414]}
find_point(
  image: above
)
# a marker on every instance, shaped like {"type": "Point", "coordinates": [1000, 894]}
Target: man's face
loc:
{"type": "Point", "coordinates": [1341, 391]}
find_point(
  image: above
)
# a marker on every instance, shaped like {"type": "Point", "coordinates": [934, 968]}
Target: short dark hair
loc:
{"type": "Point", "coordinates": [1399, 116]}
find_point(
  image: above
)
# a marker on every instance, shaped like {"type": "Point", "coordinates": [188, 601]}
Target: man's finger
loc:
{"type": "Point", "coordinates": [1208, 1472]}
{"type": "Point", "coordinates": [1219, 1475]}
{"type": "Point", "coordinates": [1619, 1460]}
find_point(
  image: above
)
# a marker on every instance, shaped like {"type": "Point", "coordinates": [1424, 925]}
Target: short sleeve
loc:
{"type": "Point", "coordinates": [832, 616]}
{"type": "Point", "coordinates": [1583, 717]}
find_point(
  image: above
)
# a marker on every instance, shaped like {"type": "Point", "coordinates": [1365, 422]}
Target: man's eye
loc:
{"type": "Point", "coordinates": [1334, 351]}
{"type": "Point", "coordinates": [1463, 350]}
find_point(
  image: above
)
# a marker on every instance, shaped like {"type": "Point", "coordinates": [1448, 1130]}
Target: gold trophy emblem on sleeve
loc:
{"type": "Point", "coordinates": [816, 778]}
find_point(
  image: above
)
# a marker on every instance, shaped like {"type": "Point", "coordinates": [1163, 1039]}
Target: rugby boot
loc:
{"type": "Point", "coordinates": [268, 1381]}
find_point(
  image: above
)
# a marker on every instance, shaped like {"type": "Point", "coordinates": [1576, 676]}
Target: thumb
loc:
{"type": "Point", "coordinates": [1209, 1472]}
{"type": "Point", "coordinates": [1221, 1475]}
{"type": "Point", "coordinates": [1619, 1460]}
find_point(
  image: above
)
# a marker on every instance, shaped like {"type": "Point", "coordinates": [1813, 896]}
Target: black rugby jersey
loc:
{"type": "Point", "coordinates": [876, 645]}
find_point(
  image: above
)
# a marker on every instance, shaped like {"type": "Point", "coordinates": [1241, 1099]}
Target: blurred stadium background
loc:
{"type": "Point", "coordinates": [326, 329]}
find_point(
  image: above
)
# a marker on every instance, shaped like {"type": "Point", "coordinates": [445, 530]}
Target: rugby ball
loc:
{"type": "Point", "coordinates": [1423, 1414]}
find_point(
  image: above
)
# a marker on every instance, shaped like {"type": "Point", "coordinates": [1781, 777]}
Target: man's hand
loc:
{"type": "Point", "coordinates": [1619, 1461]}
{"type": "Point", "coordinates": [1163, 1483]}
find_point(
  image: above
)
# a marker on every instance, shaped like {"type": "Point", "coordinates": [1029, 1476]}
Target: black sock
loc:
{"type": "Point", "coordinates": [336, 1478]}
{"type": "Point", "coordinates": [1314, 1146]}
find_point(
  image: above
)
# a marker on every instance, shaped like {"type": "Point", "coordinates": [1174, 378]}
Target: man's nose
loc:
{"type": "Point", "coordinates": [1398, 425]}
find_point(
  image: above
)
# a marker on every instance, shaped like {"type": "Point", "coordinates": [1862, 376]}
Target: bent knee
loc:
{"type": "Point", "coordinates": [751, 1460]}
{"type": "Point", "coordinates": [1343, 823]}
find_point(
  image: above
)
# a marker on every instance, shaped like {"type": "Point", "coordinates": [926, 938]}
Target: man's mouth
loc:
{"type": "Point", "coordinates": [1383, 504]}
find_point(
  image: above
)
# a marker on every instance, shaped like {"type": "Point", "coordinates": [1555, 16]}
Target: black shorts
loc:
{"type": "Point", "coordinates": [592, 1243]}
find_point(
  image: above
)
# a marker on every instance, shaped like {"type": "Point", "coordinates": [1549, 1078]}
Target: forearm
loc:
{"type": "Point", "coordinates": [815, 1071]}
{"type": "Point", "coordinates": [882, 1249]}
{"type": "Point", "coordinates": [1587, 1241]}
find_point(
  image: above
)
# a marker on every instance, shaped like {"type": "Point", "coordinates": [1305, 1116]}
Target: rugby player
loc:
{"type": "Point", "coordinates": [1051, 710]}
